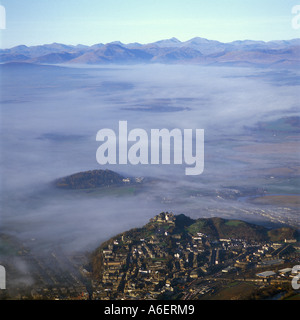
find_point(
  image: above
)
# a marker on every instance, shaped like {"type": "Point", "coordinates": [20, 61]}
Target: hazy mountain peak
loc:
{"type": "Point", "coordinates": [199, 40]}
{"type": "Point", "coordinates": [172, 42]}
{"type": "Point", "coordinates": [117, 42]}
{"type": "Point", "coordinates": [173, 39]}
{"type": "Point", "coordinates": [22, 46]}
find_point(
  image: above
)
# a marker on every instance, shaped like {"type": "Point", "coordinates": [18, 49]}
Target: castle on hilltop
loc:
{"type": "Point", "coordinates": [164, 217]}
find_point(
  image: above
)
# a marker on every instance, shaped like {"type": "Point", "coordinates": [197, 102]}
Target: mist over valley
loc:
{"type": "Point", "coordinates": [50, 116]}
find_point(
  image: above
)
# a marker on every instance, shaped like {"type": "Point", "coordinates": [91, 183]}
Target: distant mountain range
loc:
{"type": "Point", "coordinates": [195, 51]}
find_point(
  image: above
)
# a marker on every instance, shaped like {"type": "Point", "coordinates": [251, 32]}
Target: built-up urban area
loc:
{"type": "Point", "coordinates": [165, 261]}
{"type": "Point", "coordinates": [171, 257]}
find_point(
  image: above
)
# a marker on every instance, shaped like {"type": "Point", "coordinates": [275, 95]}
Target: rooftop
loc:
{"type": "Point", "coordinates": [285, 270]}
{"type": "Point", "coordinates": [266, 274]}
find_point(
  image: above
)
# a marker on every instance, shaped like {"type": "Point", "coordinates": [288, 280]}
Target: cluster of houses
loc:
{"type": "Point", "coordinates": [282, 273]}
{"type": "Point", "coordinates": [163, 262]}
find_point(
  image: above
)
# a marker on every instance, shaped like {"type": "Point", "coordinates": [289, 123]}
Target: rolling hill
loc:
{"type": "Point", "coordinates": [90, 179]}
{"type": "Point", "coordinates": [213, 228]}
{"type": "Point", "coordinates": [219, 228]}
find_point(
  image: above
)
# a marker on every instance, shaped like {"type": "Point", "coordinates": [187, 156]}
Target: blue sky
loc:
{"type": "Point", "coordinates": [33, 22]}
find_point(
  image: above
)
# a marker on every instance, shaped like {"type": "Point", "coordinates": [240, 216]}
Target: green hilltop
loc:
{"type": "Point", "coordinates": [214, 228]}
{"type": "Point", "coordinates": [219, 228]}
{"type": "Point", "coordinates": [90, 179]}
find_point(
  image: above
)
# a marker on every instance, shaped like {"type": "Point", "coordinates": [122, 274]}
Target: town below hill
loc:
{"type": "Point", "coordinates": [176, 257]}
{"type": "Point", "coordinates": [171, 257]}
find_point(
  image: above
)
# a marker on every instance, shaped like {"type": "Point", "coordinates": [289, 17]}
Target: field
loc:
{"type": "Point", "coordinates": [279, 200]}
{"type": "Point", "coordinates": [238, 290]}
{"type": "Point", "coordinates": [233, 291]}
